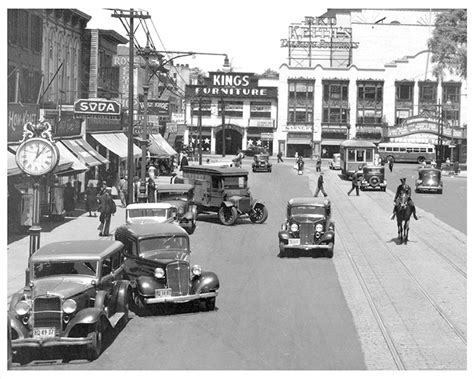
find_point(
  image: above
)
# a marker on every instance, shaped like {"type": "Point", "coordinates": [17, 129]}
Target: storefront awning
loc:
{"type": "Point", "coordinates": [159, 147]}
{"type": "Point", "coordinates": [84, 152]}
{"type": "Point", "coordinates": [76, 166]}
{"type": "Point", "coordinates": [331, 142]}
{"type": "Point", "coordinates": [117, 143]}
{"type": "Point", "coordinates": [12, 168]}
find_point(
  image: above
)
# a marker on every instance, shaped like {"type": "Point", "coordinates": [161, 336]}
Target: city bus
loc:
{"type": "Point", "coordinates": [407, 151]}
{"type": "Point", "coordinates": [355, 154]}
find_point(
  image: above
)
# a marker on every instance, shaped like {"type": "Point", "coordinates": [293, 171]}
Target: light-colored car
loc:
{"type": "Point", "coordinates": [145, 213]}
{"type": "Point", "coordinates": [335, 162]}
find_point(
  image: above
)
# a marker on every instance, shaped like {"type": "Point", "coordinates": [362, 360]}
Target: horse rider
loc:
{"type": "Point", "coordinates": [403, 188]}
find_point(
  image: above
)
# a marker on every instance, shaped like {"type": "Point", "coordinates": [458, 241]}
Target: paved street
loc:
{"type": "Point", "coordinates": [375, 305]}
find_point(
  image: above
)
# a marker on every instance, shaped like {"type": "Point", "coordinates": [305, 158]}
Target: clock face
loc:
{"type": "Point", "coordinates": [37, 156]}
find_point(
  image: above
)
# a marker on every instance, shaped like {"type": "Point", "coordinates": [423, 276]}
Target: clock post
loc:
{"type": "Point", "coordinates": [37, 156]}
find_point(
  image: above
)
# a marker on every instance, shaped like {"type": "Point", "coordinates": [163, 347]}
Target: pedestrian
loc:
{"type": "Point", "coordinates": [69, 201]}
{"type": "Point", "coordinates": [456, 167]}
{"type": "Point", "coordinates": [107, 208]}
{"type": "Point", "coordinates": [91, 199]}
{"type": "Point", "coordinates": [123, 191]}
{"type": "Point", "coordinates": [355, 184]}
{"type": "Point", "coordinates": [318, 163]}
{"type": "Point", "coordinates": [184, 161]}
{"type": "Point", "coordinates": [103, 187]}
{"type": "Point", "coordinates": [320, 187]}
{"type": "Point", "coordinates": [390, 163]}
{"type": "Point", "coordinates": [151, 188]}
{"type": "Point", "coordinates": [238, 159]}
{"type": "Point", "coordinates": [279, 156]}
{"type": "Point", "coordinates": [136, 188]}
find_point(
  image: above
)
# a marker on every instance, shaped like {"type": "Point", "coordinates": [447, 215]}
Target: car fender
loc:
{"type": "Point", "coordinates": [146, 285]}
{"type": "Point", "coordinates": [283, 235]}
{"type": "Point", "coordinates": [206, 282]}
{"type": "Point", "coordinates": [14, 300]}
{"type": "Point", "coordinates": [327, 237]}
{"type": "Point", "coordinates": [227, 203]}
{"type": "Point", "coordinates": [18, 327]}
{"type": "Point", "coordinates": [85, 316]}
{"type": "Point", "coordinates": [120, 295]}
{"type": "Point", "coordinates": [257, 202]}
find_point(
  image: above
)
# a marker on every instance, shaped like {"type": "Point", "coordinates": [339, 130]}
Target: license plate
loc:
{"type": "Point", "coordinates": [293, 241]}
{"type": "Point", "coordinates": [163, 292]}
{"type": "Point", "coordinates": [44, 332]}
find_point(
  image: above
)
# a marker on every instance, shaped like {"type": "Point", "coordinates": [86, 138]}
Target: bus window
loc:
{"type": "Point", "coordinates": [409, 150]}
{"type": "Point", "coordinates": [430, 150]}
{"type": "Point", "coordinates": [368, 155]}
{"type": "Point", "coordinates": [350, 156]}
{"type": "Point", "coordinates": [389, 149]}
{"type": "Point", "coordinates": [403, 149]}
{"type": "Point", "coordinates": [416, 150]}
{"type": "Point", "coordinates": [422, 150]}
{"type": "Point", "coordinates": [360, 155]}
{"type": "Point", "coordinates": [396, 149]}
{"type": "Point", "coordinates": [381, 148]}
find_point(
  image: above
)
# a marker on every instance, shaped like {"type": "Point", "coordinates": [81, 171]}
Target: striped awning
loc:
{"type": "Point", "coordinates": [117, 143]}
{"type": "Point", "coordinates": [84, 152]}
{"type": "Point", "coordinates": [160, 147]}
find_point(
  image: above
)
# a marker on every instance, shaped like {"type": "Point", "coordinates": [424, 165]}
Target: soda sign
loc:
{"type": "Point", "coordinates": [102, 107]}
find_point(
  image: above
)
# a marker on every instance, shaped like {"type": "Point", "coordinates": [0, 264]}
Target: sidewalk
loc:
{"type": "Point", "coordinates": [72, 228]}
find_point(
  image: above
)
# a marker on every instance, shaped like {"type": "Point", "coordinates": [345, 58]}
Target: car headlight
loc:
{"type": "Point", "coordinates": [319, 228]}
{"type": "Point", "coordinates": [22, 308]}
{"type": "Point", "coordinates": [294, 227]}
{"type": "Point", "coordinates": [69, 306]}
{"type": "Point", "coordinates": [159, 273]}
{"type": "Point", "coordinates": [197, 270]}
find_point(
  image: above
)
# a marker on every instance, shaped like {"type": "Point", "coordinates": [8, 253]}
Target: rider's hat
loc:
{"type": "Point", "coordinates": [403, 180]}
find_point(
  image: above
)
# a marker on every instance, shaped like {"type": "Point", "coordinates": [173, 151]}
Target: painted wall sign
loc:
{"type": "Point", "coordinates": [18, 116]}
{"type": "Point", "coordinates": [101, 107]}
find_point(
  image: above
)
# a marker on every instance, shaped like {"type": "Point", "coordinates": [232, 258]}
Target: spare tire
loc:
{"type": "Point", "coordinates": [374, 181]}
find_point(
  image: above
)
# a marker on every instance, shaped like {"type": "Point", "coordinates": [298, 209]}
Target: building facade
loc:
{"type": "Point", "coordinates": [361, 79]}
{"type": "Point", "coordinates": [231, 111]}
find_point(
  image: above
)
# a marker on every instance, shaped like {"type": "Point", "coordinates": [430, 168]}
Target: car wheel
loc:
{"type": "Point", "coordinates": [420, 160]}
{"type": "Point", "coordinates": [227, 215]}
{"type": "Point", "coordinates": [259, 214]}
{"type": "Point", "coordinates": [140, 307]}
{"type": "Point", "coordinates": [330, 252]}
{"type": "Point", "coordinates": [210, 303]}
{"type": "Point", "coordinates": [94, 349]}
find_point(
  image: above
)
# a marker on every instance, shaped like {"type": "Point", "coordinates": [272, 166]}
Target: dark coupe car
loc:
{"type": "Point", "coordinates": [76, 290]}
{"type": "Point", "coordinates": [261, 163]}
{"type": "Point", "coordinates": [158, 267]}
{"type": "Point", "coordinates": [307, 228]}
{"type": "Point", "coordinates": [373, 177]}
{"type": "Point", "coordinates": [429, 180]}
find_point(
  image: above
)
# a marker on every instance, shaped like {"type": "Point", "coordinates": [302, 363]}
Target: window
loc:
{"type": "Point", "coordinates": [232, 108]}
{"type": "Point", "coordinates": [389, 149]}
{"type": "Point", "coordinates": [404, 92]}
{"type": "Point", "coordinates": [360, 155]}
{"type": "Point", "coordinates": [368, 155]}
{"type": "Point", "coordinates": [369, 103]}
{"type": "Point", "coordinates": [396, 149]}
{"type": "Point", "coordinates": [451, 93]}
{"type": "Point", "coordinates": [351, 156]}
{"type": "Point", "coordinates": [300, 102]}
{"type": "Point", "coordinates": [36, 33]}
{"type": "Point", "coordinates": [24, 29]}
{"type": "Point", "coordinates": [430, 150]}
{"type": "Point", "coordinates": [260, 109]}
{"type": "Point", "coordinates": [428, 93]}
{"type": "Point", "coordinates": [205, 108]}
{"type": "Point", "coordinates": [422, 150]}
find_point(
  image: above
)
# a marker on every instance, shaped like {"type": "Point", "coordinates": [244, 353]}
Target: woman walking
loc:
{"type": "Point", "coordinates": [91, 199]}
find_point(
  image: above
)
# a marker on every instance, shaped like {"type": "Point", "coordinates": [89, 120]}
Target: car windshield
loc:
{"type": "Point", "coordinates": [371, 170]}
{"type": "Point", "coordinates": [235, 182]}
{"type": "Point", "coordinates": [80, 267]}
{"type": "Point", "coordinates": [148, 212]}
{"type": "Point", "coordinates": [426, 175]}
{"type": "Point", "coordinates": [162, 247]}
{"type": "Point", "coordinates": [307, 210]}
{"type": "Point", "coordinates": [175, 195]}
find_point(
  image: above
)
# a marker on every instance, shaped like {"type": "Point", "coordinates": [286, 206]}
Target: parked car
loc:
{"type": "Point", "coordinates": [429, 180]}
{"type": "Point", "coordinates": [307, 227]}
{"type": "Point", "coordinates": [224, 190]}
{"type": "Point", "coordinates": [335, 162]}
{"type": "Point", "coordinates": [158, 267]}
{"type": "Point", "coordinates": [181, 197]}
{"type": "Point", "coordinates": [252, 150]}
{"type": "Point", "coordinates": [373, 177]}
{"type": "Point", "coordinates": [261, 163]}
{"type": "Point", "coordinates": [145, 213]}
{"type": "Point", "coordinates": [76, 291]}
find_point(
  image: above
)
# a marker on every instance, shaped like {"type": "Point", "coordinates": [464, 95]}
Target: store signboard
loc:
{"type": "Point", "coordinates": [18, 116]}
{"type": "Point", "coordinates": [266, 136]}
{"type": "Point", "coordinates": [97, 107]}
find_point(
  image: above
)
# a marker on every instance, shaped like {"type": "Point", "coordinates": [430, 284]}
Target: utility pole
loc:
{"type": "Point", "coordinates": [223, 125]}
{"type": "Point", "coordinates": [131, 15]}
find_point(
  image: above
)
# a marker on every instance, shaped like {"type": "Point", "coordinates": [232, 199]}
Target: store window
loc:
{"type": "Point", "coordinates": [232, 109]}
{"type": "Point", "coordinates": [335, 104]}
{"type": "Point", "coordinates": [428, 92]}
{"type": "Point", "coordinates": [205, 108]}
{"type": "Point", "coordinates": [369, 103]}
{"type": "Point", "coordinates": [260, 109]}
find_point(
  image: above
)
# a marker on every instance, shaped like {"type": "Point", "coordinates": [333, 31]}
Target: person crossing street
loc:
{"type": "Point", "coordinates": [320, 187]}
{"type": "Point", "coordinates": [355, 184]}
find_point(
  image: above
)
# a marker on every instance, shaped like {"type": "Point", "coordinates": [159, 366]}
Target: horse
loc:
{"type": "Point", "coordinates": [404, 211]}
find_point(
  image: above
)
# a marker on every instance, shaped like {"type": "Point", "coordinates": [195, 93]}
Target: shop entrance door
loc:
{"type": "Point", "coordinates": [233, 141]}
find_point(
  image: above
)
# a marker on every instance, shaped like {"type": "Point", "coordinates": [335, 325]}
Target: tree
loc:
{"type": "Point", "coordinates": [449, 42]}
{"type": "Point", "coordinates": [269, 73]}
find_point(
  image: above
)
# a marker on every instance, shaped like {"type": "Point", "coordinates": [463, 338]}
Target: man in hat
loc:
{"type": "Point", "coordinates": [320, 186]}
{"type": "Point", "coordinates": [107, 208]}
{"type": "Point", "coordinates": [403, 188]}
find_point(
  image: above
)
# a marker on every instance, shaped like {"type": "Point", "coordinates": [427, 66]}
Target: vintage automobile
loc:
{"type": "Point", "coordinates": [335, 162]}
{"type": "Point", "coordinates": [145, 213]}
{"type": "Point", "coordinates": [307, 228]}
{"type": "Point", "coordinates": [224, 190]}
{"type": "Point", "coordinates": [429, 180]}
{"type": "Point", "coordinates": [157, 265]}
{"type": "Point", "coordinates": [373, 177]}
{"type": "Point", "coordinates": [76, 290]}
{"type": "Point", "coordinates": [181, 197]}
{"type": "Point", "coordinates": [261, 163]}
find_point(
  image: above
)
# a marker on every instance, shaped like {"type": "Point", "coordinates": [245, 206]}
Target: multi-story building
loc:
{"type": "Point", "coordinates": [367, 74]}
{"type": "Point", "coordinates": [231, 109]}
